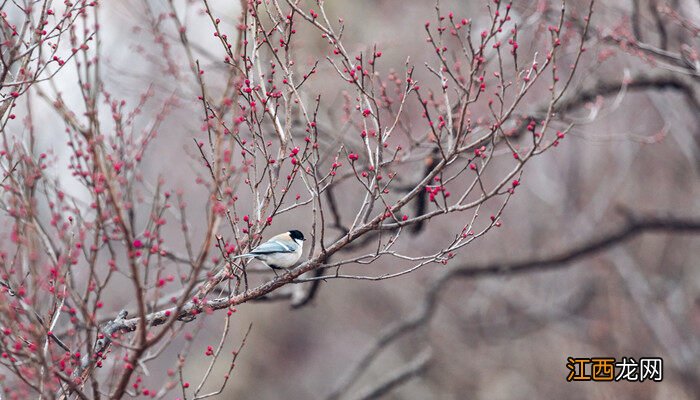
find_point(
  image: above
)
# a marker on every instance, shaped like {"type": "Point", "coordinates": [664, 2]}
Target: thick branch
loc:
{"type": "Point", "coordinates": [642, 82]}
{"type": "Point", "coordinates": [635, 225]}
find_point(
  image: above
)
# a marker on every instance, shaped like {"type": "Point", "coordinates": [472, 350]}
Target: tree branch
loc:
{"type": "Point", "coordinates": [641, 82]}
{"type": "Point", "coordinates": [635, 225]}
{"type": "Point", "coordinates": [414, 368]}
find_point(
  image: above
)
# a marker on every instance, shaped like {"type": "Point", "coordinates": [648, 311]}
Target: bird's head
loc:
{"type": "Point", "coordinates": [296, 235]}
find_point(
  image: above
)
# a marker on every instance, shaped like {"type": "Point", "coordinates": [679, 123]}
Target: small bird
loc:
{"type": "Point", "coordinates": [280, 252]}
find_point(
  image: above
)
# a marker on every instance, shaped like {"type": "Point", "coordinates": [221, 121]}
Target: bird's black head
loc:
{"type": "Point", "coordinates": [296, 235]}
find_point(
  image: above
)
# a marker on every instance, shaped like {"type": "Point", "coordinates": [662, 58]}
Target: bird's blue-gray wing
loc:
{"type": "Point", "coordinates": [273, 247]}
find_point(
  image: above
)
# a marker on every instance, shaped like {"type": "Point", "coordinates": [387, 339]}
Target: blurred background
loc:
{"type": "Point", "coordinates": [634, 145]}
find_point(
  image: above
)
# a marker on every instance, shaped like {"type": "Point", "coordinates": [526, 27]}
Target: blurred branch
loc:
{"type": "Point", "coordinates": [389, 336]}
{"type": "Point", "coordinates": [416, 367]}
{"type": "Point", "coordinates": [640, 82]}
{"type": "Point", "coordinates": [660, 25]}
{"type": "Point", "coordinates": [636, 23]}
{"type": "Point", "coordinates": [636, 224]}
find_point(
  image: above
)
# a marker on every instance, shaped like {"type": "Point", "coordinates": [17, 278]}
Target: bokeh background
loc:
{"type": "Point", "coordinates": [488, 338]}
